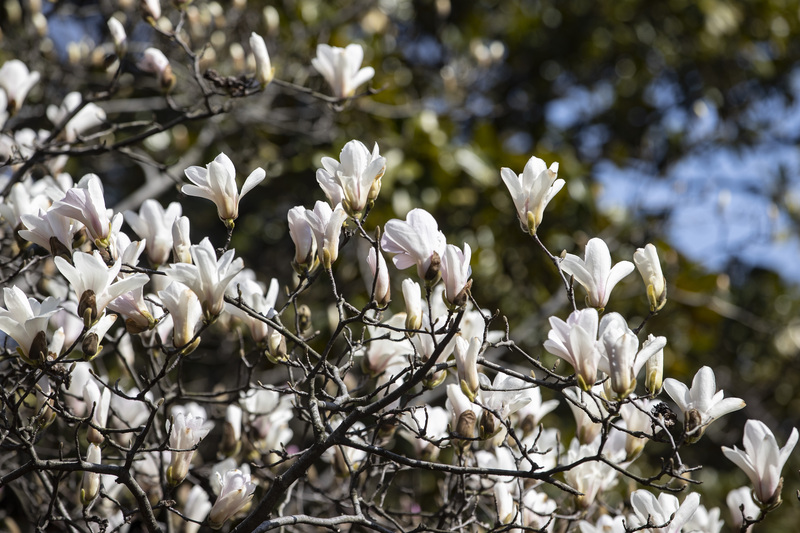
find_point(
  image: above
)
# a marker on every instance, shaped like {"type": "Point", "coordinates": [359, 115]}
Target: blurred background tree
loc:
{"type": "Point", "coordinates": [674, 122]}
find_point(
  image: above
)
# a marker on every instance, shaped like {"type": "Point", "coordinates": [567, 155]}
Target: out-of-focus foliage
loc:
{"type": "Point", "coordinates": [464, 88]}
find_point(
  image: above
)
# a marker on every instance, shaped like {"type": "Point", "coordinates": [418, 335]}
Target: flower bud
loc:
{"type": "Point", "coordinates": [646, 260]}
{"type": "Point", "coordinates": [117, 31]}
{"type": "Point", "coordinates": [654, 370]}
{"type": "Point", "coordinates": [151, 11]}
{"type": "Point", "coordinates": [466, 354]}
{"type": "Point", "coordinates": [264, 69]}
{"type": "Point", "coordinates": [155, 62]}
{"type": "Point", "coordinates": [90, 486]}
{"type": "Point", "coordinates": [413, 297]}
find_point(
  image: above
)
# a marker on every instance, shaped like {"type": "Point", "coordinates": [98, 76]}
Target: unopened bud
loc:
{"type": "Point", "coordinates": [87, 307]}
{"type": "Point", "coordinates": [434, 270]}
{"type": "Point", "coordinates": [304, 317]}
{"type": "Point", "coordinates": [465, 427]}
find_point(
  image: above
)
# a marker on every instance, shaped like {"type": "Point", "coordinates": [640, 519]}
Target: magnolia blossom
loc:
{"type": "Point", "coordinates": [621, 357]}
{"type": "Point", "coordinates": [186, 311]}
{"type": "Point", "coordinates": [51, 231]}
{"type": "Point", "coordinates": [646, 260]}
{"type": "Point", "coordinates": [305, 243]}
{"type": "Point", "coordinates": [252, 295]}
{"type": "Point", "coordinates": [235, 491]}
{"type": "Point", "coordinates": [605, 524]}
{"type": "Point", "coordinates": [355, 179]}
{"type": "Point", "coordinates": [664, 510]}
{"type": "Point", "coordinates": [88, 206]}
{"type": "Point", "coordinates": [341, 68]}
{"type": "Point", "coordinates": [587, 409]}
{"type": "Point", "coordinates": [118, 35]}
{"type": "Point", "coordinates": [466, 353]}
{"type": "Point", "coordinates": [590, 477]}
{"type": "Point", "coordinates": [532, 190]}
{"type": "Point", "coordinates": [636, 416]}
{"type": "Point", "coordinates": [506, 508]}
{"type": "Point", "coordinates": [595, 272]}
{"type": "Point", "coordinates": [455, 273]}
{"type": "Point", "coordinates": [88, 117]}
{"type": "Point", "coordinates": [575, 341]}
{"type": "Point", "coordinates": [380, 277]}
{"type": "Point", "coordinates": [154, 224]}
{"type": "Point", "coordinates": [762, 460]}
{"type": "Point", "coordinates": [702, 404]}
{"type": "Point", "coordinates": [155, 62]}
{"type": "Point", "coordinates": [264, 69]}
{"type": "Point", "coordinates": [185, 432]}
{"type": "Point", "coordinates": [741, 505]}
{"type": "Point", "coordinates": [464, 413]}
{"type": "Point", "coordinates": [208, 277]}
{"type": "Point", "coordinates": [16, 80]}
{"type": "Point", "coordinates": [416, 241]}
{"type": "Point", "coordinates": [326, 225]}
{"type": "Point", "coordinates": [196, 508]}
{"type": "Point", "coordinates": [181, 242]}
{"type": "Point", "coordinates": [25, 320]}
{"type": "Point", "coordinates": [502, 398]}
{"type": "Point", "coordinates": [424, 428]}
{"type": "Point", "coordinates": [90, 487]}
{"type": "Point", "coordinates": [21, 201]}
{"type": "Point", "coordinates": [412, 294]}
{"type": "Point", "coordinates": [217, 182]}
{"type": "Point", "coordinates": [99, 403]}
{"type": "Point", "coordinates": [705, 521]}
{"type": "Point", "coordinates": [151, 10]}
{"type": "Point", "coordinates": [94, 282]}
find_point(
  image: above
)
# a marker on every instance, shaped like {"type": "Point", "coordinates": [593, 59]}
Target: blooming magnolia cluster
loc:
{"type": "Point", "coordinates": [108, 317]}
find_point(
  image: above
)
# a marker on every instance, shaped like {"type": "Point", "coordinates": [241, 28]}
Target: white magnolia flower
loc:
{"type": "Point", "coordinates": [264, 69]}
{"type": "Point", "coordinates": [591, 477]}
{"type": "Point", "coordinates": [235, 491]}
{"type": "Point", "coordinates": [154, 61]}
{"type": "Point", "coordinates": [25, 320]}
{"type": "Point", "coordinates": [181, 241]}
{"type": "Point", "coordinates": [196, 508]}
{"type": "Point", "coordinates": [16, 80]}
{"type": "Point", "coordinates": [100, 403]}
{"type": "Point", "coordinates": [646, 260]}
{"type": "Point", "coordinates": [327, 226]}
{"type": "Point", "coordinates": [22, 200]}
{"type": "Point", "coordinates": [88, 206]}
{"type": "Point", "coordinates": [253, 296]}
{"type": "Point", "coordinates": [595, 272]}
{"type": "Point", "coordinates": [762, 460]}
{"type": "Point", "coordinates": [532, 190]}
{"type": "Point", "coordinates": [636, 416]}
{"type": "Point", "coordinates": [463, 413]}
{"type": "Point", "coordinates": [621, 358]}
{"type": "Point", "coordinates": [217, 182]}
{"type": "Point", "coordinates": [455, 274]}
{"type": "Point", "coordinates": [94, 282]}
{"type": "Point", "coordinates": [305, 244]}
{"type": "Point", "coordinates": [341, 68]}
{"type": "Point", "coordinates": [741, 505]}
{"type": "Point", "coordinates": [605, 524]}
{"type": "Point", "coordinates": [355, 179]}
{"type": "Point", "coordinates": [185, 432]}
{"type": "Point", "coordinates": [657, 511]}
{"type": "Point", "coordinates": [502, 398]}
{"type": "Point", "coordinates": [416, 241]}
{"type": "Point", "coordinates": [705, 521]}
{"type": "Point", "coordinates": [412, 294]}
{"type": "Point", "coordinates": [466, 353]}
{"type": "Point", "coordinates": [90, 486]}
{"type": "Point", "coordinates": [425, 428]}
{"type": "Point", "coordinates": [154, 224]}
{"type": "Point", "coordinates": [506, 508]}
{"type": "Point", "coordinates": [208, 277]}
{"type": "Point", "coordinates": [51, 231]}
{"type": "Point", "coordinates": [380, 277]}
{"type": "Point", "coordinates": [89, 117]}
{"type": "Point", "coordinates": [702, 404]}
{"type": "Point", "coordinates": [118, 35]}
{"type": "Point", "coordinates": [586, 408]}
{"type": "Point", "coordinates": [575, 341]}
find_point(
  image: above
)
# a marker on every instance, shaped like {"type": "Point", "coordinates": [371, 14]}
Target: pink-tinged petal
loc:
{"type": "Point", "coordinates": [255, 177]}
